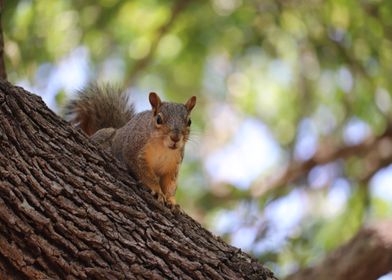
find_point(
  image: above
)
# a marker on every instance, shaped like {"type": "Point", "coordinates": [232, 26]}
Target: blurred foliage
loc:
{"type": "Point", "coordinates": [316, 73]}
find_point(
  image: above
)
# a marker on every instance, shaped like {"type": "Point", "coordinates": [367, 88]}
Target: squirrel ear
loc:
{"type": "Point", "coordinates": [190, 103]}
{"type": "Point", "coordinates": [155, 102]}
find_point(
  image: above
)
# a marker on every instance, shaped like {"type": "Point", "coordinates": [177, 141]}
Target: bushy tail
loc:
{"type": "Point", "coordinates": [97, 107]}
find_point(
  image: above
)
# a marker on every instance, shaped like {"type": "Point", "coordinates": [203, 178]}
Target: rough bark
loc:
{"type": "Point", "coordinates": [367, 256]}
{"type": "Point", "coordinates": [69, 210]}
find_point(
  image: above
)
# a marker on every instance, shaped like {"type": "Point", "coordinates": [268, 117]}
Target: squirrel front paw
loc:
{"type": "Point", "coordinates": [173, 205]}
{"type": "Point", "coordinates": [159, 196]}
{"type": "Point", "coordinates": [176, 208]}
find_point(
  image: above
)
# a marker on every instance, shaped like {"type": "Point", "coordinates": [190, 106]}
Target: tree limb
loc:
{"type": "Point", "coordinates": [367, 256]}
{"type": "Point", "coordinates": [70, 210]}
{"type": "Point", "coordinates": [377, 149]}
{"type": "Point", "coordinates": [178, 7]}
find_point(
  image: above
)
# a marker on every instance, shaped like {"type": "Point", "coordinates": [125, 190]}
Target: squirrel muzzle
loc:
{"type": "Point", "coordinates": [176, 140]}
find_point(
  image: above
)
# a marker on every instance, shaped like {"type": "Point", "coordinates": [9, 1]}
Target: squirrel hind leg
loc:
{"type": "Point", "coordinates": [103, 137]}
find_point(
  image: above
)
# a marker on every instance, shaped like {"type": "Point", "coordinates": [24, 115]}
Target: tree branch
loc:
{"type": "Point", "coordinates": [374, 148]}
{"type": "Point", "coordinates": [179, 6]}
{"type": "Point", "coordinates": [367, 256]}
{"type": "Point", "coordinates": [71, 211]}
{"type": "Point", "coordinates": [3, 73]}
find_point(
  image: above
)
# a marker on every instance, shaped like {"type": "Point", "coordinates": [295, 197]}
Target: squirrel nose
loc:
{"type": "Point", "coordinates": [175, 137]}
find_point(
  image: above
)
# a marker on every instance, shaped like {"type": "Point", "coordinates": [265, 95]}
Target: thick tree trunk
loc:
{"type": "Point", "coordinates": [367, 256]}
{"type": "Point", "coordinates": [69, 210]}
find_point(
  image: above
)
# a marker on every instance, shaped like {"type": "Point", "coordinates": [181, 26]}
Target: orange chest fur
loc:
{"type": "Point", "coordinates": [162, 160]}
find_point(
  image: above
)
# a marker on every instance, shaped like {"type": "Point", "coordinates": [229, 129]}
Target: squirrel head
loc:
{"type": "Point", "coordinates": [171, 121]}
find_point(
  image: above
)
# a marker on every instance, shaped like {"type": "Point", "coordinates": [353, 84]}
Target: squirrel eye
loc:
{"type": "Point", "coordinates": [189, 122]}
{"type": "Point", "coordinates": [159, 119]}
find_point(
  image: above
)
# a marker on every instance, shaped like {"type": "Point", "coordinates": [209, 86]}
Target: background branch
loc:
{"type": "Point", "coordinates": [376, 149]}
{"type": "Point", "coordinates": [3, 73]}
{"type": "Point", "coordinates": [178, 7]}
{"type": "Point", "coordinates": [367, 256]}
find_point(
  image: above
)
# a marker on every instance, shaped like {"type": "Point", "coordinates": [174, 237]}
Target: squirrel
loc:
{"type": "Point", "coordinates": [150, 143]}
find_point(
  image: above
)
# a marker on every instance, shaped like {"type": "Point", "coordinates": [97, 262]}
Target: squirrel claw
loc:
{"type": "Point", "coordinates": [159, 196]}
{"type": "Point", "coordinates": [176, 208]}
